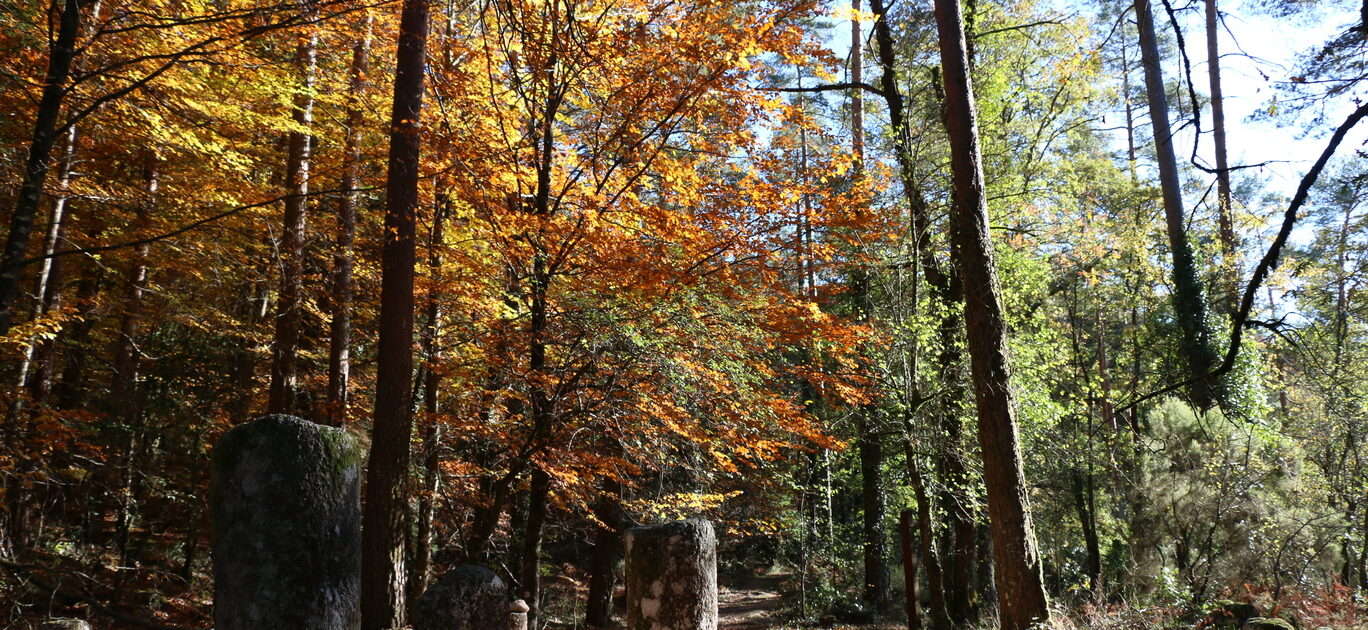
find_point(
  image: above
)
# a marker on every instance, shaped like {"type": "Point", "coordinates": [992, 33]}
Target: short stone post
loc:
{"type": "Point", "coordinates": [672, 576]}
{"type": "Point", "coordinates": [468, 597]}
{"type": "Point", "coordinates": [517, 615]}
{"type": "Point", "coordinates": [286, 501]}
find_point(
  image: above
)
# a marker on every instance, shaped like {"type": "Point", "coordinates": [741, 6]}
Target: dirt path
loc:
{"type": "Point", "coordinates": [749, 603]}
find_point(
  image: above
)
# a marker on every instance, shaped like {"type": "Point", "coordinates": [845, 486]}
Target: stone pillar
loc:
{"type": "Point", "coordinates": [469, 597]}
{"type": "Point", "coordinates": [517, 615]}
{"type": "Point", "coordinates": [286, 501]}
{"type": "Point", "coordinates": [672, 576]}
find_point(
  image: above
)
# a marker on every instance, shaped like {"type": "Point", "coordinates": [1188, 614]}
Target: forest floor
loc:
{"type": "Point", "coordinates": [755, 603]}
{"type": "Point", "coordinates": [750, 603]}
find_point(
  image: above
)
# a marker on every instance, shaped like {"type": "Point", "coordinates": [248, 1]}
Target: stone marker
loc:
{"type": "Point", "coordinates": [286, 501]}
{"type": "Point", "coordinates": [62, 623]}
{"type": "Point", "coordinates": [672, 576]}
{"type": "Point", "coordinates": [466, 598]}
{"type": "Point", "coordinates": [517, 615]}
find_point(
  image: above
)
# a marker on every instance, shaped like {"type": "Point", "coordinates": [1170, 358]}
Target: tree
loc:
{"type": "Point", "coordinates": [1021, 594]}
{"type": "Point", "coordinates": [61, 52]}
{"type": "Point", "coordinates": [1189, 300]}
{"type": "Point", "coordinates": [284, 389]}
{"type": "Point", "coordinates": [383, 523]}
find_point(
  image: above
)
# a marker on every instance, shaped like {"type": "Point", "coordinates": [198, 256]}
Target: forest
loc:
{"type": "Point", "coordinates": [945, 314]}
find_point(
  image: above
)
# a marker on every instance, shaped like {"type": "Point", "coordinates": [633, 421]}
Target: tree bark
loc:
{"type": "Point", "coordinates": [1225, 209]}
{"type": "Point", "coordinates": [47, 286]}
{"type": "Point", "coordinates": [959, 534]}
{"type": "Point", "coordinates": [284, 391]}
{"type": "Point", "coordinates": [1021, 594]}
{"type": "Point", "coordinates": [930, 557]}
{"type": "Point", "coordinates": [382, 580]}
{"type": "Point", "coordinates": [339, 342]}
{"type": "Point", "coordinates": [603, 565]}
{"type": "Point", "coordinates": [530, 572]}
{"type": "Point", "coordinates": [874, 501]}
{"type": "Point", "coordinates": [1087, 518]}
{"type": "Point", "coordinates": [909, 552]}
{"type": "Point", "coordinates": [422, 557]}
{"type": "Point", "coordinates": [124, 389]}
{"type": "Point", "coordinates": [60, 56]}
{"type": "Point", "coordinates": [72, 392]}
{"type": "Point", "coordinates": [1189, 303]}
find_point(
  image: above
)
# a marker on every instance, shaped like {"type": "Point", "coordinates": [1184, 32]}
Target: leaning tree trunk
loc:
{"type": "Point", "coordinates": [284, 390]}
{"type": "Point", "coordinates": [339, 343]}
{"type": "Point", "coordinates": [45, 131]}
{"type": "Point", "coordinates": [1021, 594]}
{"type": "Point", "coordinates": [1189, 303]}
{"type": "Point", "coordinates": [382, 580]}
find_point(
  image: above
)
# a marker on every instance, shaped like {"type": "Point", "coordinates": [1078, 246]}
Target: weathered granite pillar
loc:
{"type": "Point", "coordinates": [468, 597]}
{"type": "Point", "coordinates": [286, 501]}
{"type": "Point", "coordinates": [672, 576]}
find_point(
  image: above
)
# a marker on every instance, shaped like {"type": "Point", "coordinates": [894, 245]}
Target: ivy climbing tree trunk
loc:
{"type": "Point", "coordinates": [382, 548]}
{"type": "Point", "coordinates": [1021, 593]}
{"type": "Point", "coordinates": [1189, 303]}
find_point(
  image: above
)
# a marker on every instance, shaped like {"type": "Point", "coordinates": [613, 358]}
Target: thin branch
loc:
{"type": "Point", "coordinates": [182, 229]}
{"type": "Point", "coordinates": [1018, 27]}
{"type": "Point", "coordinates": [830, 87]}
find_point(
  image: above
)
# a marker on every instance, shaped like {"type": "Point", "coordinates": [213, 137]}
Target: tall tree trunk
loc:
{"type": "Point", "coordinates": [339, 343]}
{"type": "Point", "coordinates": [959, 532]}
{"type": "Point", "coordinates": [123, 386]}
{"type": "Point", "coordinates": [1021, 594]}
{"type": "Point", "coordinates": [603, 565]}
{"type": "Point", "coordinates": [1225, 210]}
{"type": "Point", "coordinates": [1130, 112]}
{"type": "Point", "coordinates": [47, 286]}
{"type": "Point", "coordinates": [72, 392]}
{"type": "Point", "coordinates": [1189, 303]}
{"type": "Point", "coordinates": [382, 555]}
{"type": "Point", "coordinates": [530, 572]}
{"type": "Point", "coordinates": [284, 391]}
{"type": "Point", "coordinates": [912, 605]}
{"type": "Point", "coordinates": [930, 557]}
{"type": "Point", "coordinates": [432, 435]}
{"type": "Point", "coordinates": [124, 390]}
{"type": "Point", "coordinates": [60, 56]}
{"type": "Point", "coordinates": [1087, 518]}
{"type": "Point", "coordinates": [876, 584]}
